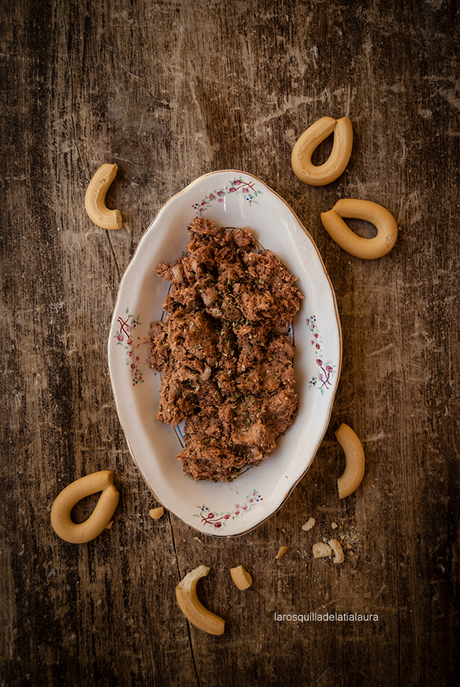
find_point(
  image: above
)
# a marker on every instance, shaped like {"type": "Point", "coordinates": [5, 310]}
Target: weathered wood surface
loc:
{"type": "Point", "coordinates": [169, 91]}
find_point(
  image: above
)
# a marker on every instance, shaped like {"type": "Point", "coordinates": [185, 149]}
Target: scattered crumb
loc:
{"type": "Point", "coordinates": [338, 551]}
{"type": "Point", "coordinates": [311, 522]}
{"type": "Point", "coordinates": [156, 513]}
{"type": "Point", "coordinates": [282, 551]}
{"type": "Point", "coordinates": [321, 550]}
{"type": "Point", "coordinates": [196, 539]}
{"type": "Point", "coordinates": [283, 530]}
{"type": "Point", "coordinates": [351, 537]}
{"type": "Point", "coordinates": [348, 546]}
{"type": "Point", "coordinates": [334, 525]}
{"type": "Point", "coordinates": [109, 526]}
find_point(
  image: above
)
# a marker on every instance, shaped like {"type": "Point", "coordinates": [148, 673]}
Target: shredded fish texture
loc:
{"type": "Point", "coordinates": [223, 351]}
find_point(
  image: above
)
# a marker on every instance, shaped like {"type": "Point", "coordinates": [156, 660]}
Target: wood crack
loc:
{"type": "Point", "coordinates": [173, 542]}
{"type": "Point", "coordinates": [74, 127]}
{"type": "Point", "coordinates": [71, 89]}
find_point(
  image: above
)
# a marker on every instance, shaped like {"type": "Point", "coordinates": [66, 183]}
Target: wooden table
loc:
{"type": "Point", "coordinates": [170, 91]}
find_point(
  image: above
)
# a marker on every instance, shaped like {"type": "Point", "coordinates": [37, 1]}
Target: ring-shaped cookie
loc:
{"type": "Point", "coordinates": [319, 175]}
{"type": "Point", "coordinates": [340, 232]}
{"type": "Point", "coordinates": [79, 533]}
{"type": "Point", "coordinates": [355, 466]}
{"type": "Point", "coordinates": [95, 194]}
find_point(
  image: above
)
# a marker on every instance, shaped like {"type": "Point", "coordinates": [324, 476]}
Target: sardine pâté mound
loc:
{"type": "Point", "coordinates": [224, 352]}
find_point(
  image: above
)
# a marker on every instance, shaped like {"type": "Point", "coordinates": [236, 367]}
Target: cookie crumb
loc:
{"type": "Point", "coordinates": [311, 522]}
{"type": "Point", "coordinates": [282, 551]}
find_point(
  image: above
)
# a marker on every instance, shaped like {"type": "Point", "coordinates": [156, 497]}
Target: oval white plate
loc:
{"type": "Point", "coordinates": [233, 199]}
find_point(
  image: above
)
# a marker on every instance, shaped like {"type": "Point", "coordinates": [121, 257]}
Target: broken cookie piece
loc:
{"type": "Point", "coordinates": [338, 551]}
{"type": "Point", "coordinates": [321, 550]}
{"type": "Point", "coordinates": [156, 513]}
{"type": "Point", "coordinates": [241, 577]}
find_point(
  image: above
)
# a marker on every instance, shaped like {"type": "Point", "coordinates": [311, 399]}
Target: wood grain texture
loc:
{"type": "Point", "coordinates": [170, 90]}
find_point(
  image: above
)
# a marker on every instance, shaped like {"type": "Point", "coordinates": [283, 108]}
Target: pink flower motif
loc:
{"type": "Point", "coordinates": [217, 524]}
{"type": "Point", "coordinates": [329, 369]}
{"type": "Point", "coordinates": [137, 358]}
{"type": "Point", "coordinates": [237, 182]}
{"type": "Point", "coordinates": [220, 193]}
{"type": "Point", "coordinates": [220, 200]}
{"type": "Point", "coordinates": [319, 362]}
{"type": "Point", "coordinates": [316, 335]}
{"type": "Point", "coordinates": [211, 515]}
{"type": "Point", "coordinates": [237, 512]}
{"type": "Point", "coordinates": [245, 190]}
{"type": "Point", "coordinates": [244, 507]}
{"type": "Point", "coordinates": [251, 500]}
{"type": "Point", "coordinates": [312, 342]}
{"type": "Point", "coordinates": [120, 337]}
{"type": "Point", "coordinates": [133, 367]}
{"type": "Point", "coordinates": [130, 353]}
{"type": "Point", "coordinates": [226, 516]}
{"type": "Point", "coordinates": [211, 196]}
{"type": "Point", "coordinates": [318, 346]}
{"type": "Point", "coordinates": [321, 376]}
{"type": "Point", "coordinates": [232, 190]}
{"type": "Point", "coordinates": [237, 505]}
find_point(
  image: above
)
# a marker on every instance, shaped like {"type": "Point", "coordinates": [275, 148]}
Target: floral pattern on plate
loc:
{"type": "Point", "coordinates": [124, 338]}
{"type": "Point", "coordinates": [211, 517]}
{"type": "Point", "coordinates": [236, 186]}
{"type": "Point", "coordinates": [322, 381]}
